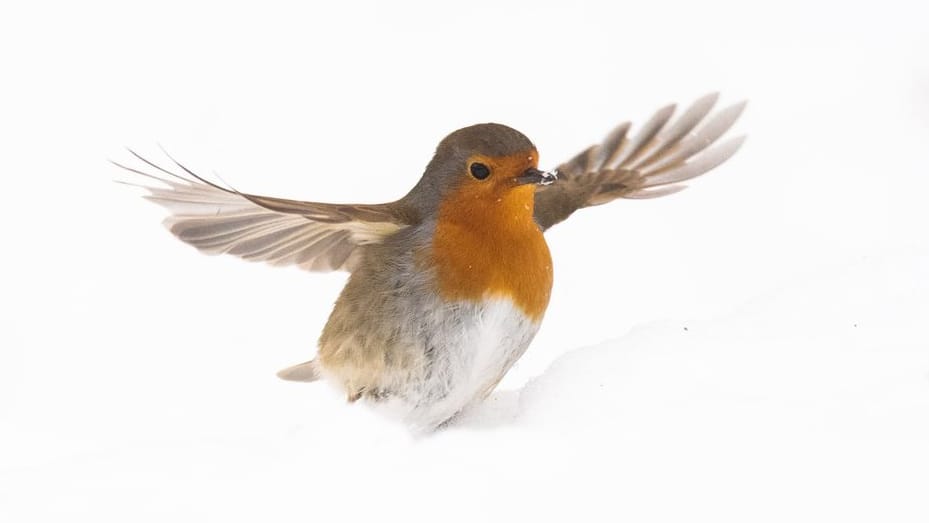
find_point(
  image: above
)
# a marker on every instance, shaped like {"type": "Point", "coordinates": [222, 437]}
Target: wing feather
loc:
{"type": "Point", "coordinates": [664, 153]}
{"type": "Point", "coordinates": [642, 141]}
{"type": "Point", "coordinates": [686, 123]}
{"type": "Point", "coordinates": [311, 235]}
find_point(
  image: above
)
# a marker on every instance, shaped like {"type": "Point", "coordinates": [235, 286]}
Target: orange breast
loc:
{"type": "Point", "coordinates": [487, 245]}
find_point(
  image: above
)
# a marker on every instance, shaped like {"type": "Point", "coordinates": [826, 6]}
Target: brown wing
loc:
{"type": "Point", "coordinates": [313, 236]}
{"type": "Point", "coordinates": [653, 163]}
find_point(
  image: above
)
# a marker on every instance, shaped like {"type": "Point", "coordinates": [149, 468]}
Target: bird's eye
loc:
{"type": "Point", "coordinates": [480, 171]}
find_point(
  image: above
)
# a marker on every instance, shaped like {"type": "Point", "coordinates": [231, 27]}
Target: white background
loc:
{"type": "Point", "coordinates": [136, 375]}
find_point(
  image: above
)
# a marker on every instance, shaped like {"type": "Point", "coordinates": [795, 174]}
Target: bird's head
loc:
{"type": "Point", "coordinates": [481, 165]}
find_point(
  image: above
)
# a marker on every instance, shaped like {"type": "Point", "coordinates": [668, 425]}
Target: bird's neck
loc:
{"type": "Point", "coordinates": [486, 248]}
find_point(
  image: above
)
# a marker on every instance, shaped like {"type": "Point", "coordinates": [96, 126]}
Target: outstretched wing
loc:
{"type": "Point", "coordinates": [653, 163]}
{"type": "Point", "coordinates": [313, 236]}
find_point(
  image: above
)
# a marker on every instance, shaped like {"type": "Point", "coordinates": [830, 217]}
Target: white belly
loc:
{"type": "Point", "coordinates": [478, 344]}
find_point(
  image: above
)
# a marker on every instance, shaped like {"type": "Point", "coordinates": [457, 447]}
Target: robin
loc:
{"type": "Point", "coordinates": [448, 284]}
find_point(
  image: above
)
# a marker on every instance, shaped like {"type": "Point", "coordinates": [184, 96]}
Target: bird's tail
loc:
{"type": "Point", "coordinates": [305, 371]}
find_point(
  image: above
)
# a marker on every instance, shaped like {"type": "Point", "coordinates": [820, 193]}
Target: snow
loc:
{"type": "Point", "coordinates": [752, 349]}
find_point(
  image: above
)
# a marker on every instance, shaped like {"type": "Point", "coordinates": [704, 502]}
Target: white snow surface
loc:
{"type": "Point", "coordinates": [755, 348]}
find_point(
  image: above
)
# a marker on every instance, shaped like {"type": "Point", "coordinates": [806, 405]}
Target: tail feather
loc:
{"type": "Point", "coordinates": [305, 371]}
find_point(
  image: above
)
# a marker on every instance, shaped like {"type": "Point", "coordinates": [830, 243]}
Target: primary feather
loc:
{"type": "Point", "coordinates": [313, 236]}
{"type": "Point", "coordinates": [653, 163]}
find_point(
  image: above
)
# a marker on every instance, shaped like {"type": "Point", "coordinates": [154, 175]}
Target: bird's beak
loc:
{"type": "Point", "coordinates": [533, 175]}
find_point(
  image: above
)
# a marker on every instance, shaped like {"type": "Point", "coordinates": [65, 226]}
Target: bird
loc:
{"type": "Point", "coordinates": [449, 284]}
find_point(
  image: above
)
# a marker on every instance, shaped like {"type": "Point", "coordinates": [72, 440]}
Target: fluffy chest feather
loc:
{"type": "Point", "coordinates": [480, 342]}
{"type": "Point", "coordinates": [493, 274]}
